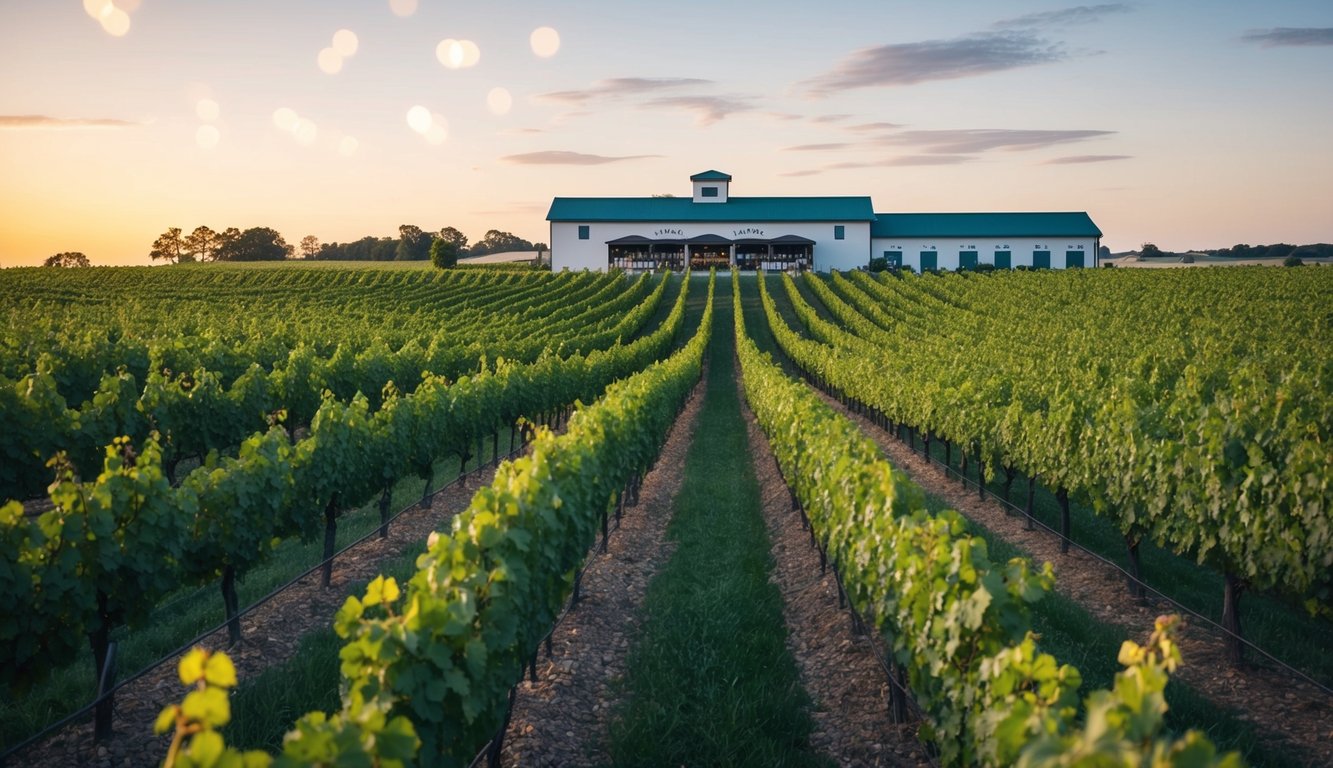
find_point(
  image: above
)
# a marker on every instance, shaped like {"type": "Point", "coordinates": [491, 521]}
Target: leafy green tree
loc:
{"type": "Point", "coordinates": [413, 243]}
{"type": "Point", "coordinates": [454, 236]}
{"type": "Point", "coordinates": [67, 259]}
{"type": "Point", "coordinates": [1149, 251]}
{"type": "Point", "coordinates": [496, 241]}
{"type": "Point", "coordinates": [443, 253]}
{"type": "Point", "coordinates": [170, 246]}
{"type": "Point", "coordinates": [255, 244]}
{"type": "Point", "coordinates": [202, 243]}
{"type": "Point", "coordinates": [309, 247]}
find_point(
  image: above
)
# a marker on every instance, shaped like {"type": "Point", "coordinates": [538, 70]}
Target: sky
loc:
{"type": "Point", "coordinates": [1186, 123]}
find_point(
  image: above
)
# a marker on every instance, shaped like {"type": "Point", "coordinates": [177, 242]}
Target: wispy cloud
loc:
{"type": "Point", "coordinates": [929, 160]}
{"type": "Point", "coordinates": [871, 127]}
{"type": "Point", "coordinates": [43, 121]}
{"type": "Point", "coordinates": [817, 147]}
{"type": "Point", "coordinates": [1076, 159]}
{"type": "Point", "coordinates": [806, 172]}
{"type": "Point", "coordinates": [707, 109]}
{"type": "Point", "coordinates": [973, 140]}
{"type": "Point", "coordinates": [1284, 36]}
{"type": "Point", "coordinates": [911, 63]}
{"type": "Point", "coordinates": [621, 87]}
{"type": "Point", "coordinates": [1079, 14]}
{"type": "Point", "coordinates": [824, 119]}
{"type": "Point", "coordinates": [565, 157]}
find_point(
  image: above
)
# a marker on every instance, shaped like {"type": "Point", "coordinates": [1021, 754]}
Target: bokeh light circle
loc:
{"type": "Point", "coordinates": [330, 62]}
{"type": "Point", "coordinates": [345, 42]}
{"type": "Point", "coordinates": [499, 101]}
{"type": "Point", "coordinates": [305, 131]}
{"type": "Point", "coordinates": [403, 8]}
{"type": "Point", "coordinates": [545, 42]}
{"type": "Point", "coordinates": [115, 21]}
{"type": "Point", "coordinates": [419, 119]}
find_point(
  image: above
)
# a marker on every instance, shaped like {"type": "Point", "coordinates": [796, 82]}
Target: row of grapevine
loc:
{"type": "Point", "coordinates": [428, 669]}
{"type": "Point", "coordinates": [110, 547]}
{"type": "Point", "coordinates": [1214, 446]}
{"type": "Point", "coordinates": [198, 321]}
{"type": "Point", "coordinates": [958, 621]}
{"type": "Point", "coordinates": [197, 411]}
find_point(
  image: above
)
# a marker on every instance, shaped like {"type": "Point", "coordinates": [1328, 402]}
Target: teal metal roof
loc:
{"type": "Point", "coordinates": [1024, 224]}
{"type": "Point", "coordinates": [711, 176]}
{"type": "Point", "coordinates": [737, 209]}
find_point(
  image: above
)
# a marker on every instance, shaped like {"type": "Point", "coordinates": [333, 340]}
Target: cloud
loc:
{"type": "Point", "coordinates": [620, 87]}
{"type": "Point", "coordinates": [879, 126]}
{"type": "Point", "coordinates": [42, 121]}
{"type": "Point", "coordinates": [707, 109]}
{"type": "Point", "coordinates": [911, 63]}
{"type": "Point", "coordinates": [808, 172]}
{"type": "Point", "coordinates": [829, 118]}
{"type": "Point", "coordinates": [929, 160]}
{"type": "Point", "coordinates": [1079, 14]}
{"type": "Point", "coordinates": [1075, 159]}
{"type": "Point", "coordinates": [817, 147]}
{"type": "Point", "coordinates": [564, 157]}
{"type": "Point", "coordinates": [974, 140]}
{"type": "Point", "coordinates": [1286, 36]}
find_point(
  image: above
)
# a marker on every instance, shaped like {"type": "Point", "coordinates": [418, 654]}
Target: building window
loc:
{"type": "Point", "coordinates": [839, 232]}
{"type": "Point", "coordinates": [708, 192]}
{"type": "Point", "coordinates": [583, 232]}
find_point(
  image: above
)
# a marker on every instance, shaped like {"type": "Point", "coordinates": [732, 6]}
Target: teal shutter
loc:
{"type": "Point", "coordinates": [1004, 260]}
{"type": "Point", "coordinates": [1074, 260]}
{"type": "Point", "coordinates": [967, 260]}
{"type": "Point", "coordinates": [929, 260]}
{"type": "Point", "coordinates": [1041, 259]}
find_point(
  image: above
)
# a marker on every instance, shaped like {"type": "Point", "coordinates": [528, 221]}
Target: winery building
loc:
{"type": "Point", "coordinates": [711, 228]}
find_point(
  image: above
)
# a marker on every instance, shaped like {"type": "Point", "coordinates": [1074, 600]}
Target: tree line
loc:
{"type": "Point", "coordinates": [415, 244]}
{"type": "Point", "coordinates": [231, 244]}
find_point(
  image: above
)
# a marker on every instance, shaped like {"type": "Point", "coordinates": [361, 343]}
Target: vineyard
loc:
{"type": "Point", "coordinates": [192, 438]}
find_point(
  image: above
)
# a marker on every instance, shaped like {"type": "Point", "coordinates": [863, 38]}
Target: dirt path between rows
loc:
{"type": "Point", "coordinates": [271, 635]}
{"type": "Point", "coordinates": [1284, 710]}
{"type": "Point", "coordinates": [563, 719]}
{"type": "Point", "coordinates": [838, 669]}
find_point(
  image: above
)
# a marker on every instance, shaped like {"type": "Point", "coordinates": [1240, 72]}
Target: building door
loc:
{"type": "Point", "coordinates": [1074, 260]}
{"type": "Point", "coordinates": [1004, 260]}
{"type": "Point", "coordinates": [929, 261]}
{"type": "Point", "coordinates": [1041, 259]}
{"type": "Point", "coordinates": [894, 259]}
{"type": "Point", "coordinates": [967, 259]}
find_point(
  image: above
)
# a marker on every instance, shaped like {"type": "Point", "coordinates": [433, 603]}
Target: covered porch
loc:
{"type": "Point", "coordinates": [786, 253]}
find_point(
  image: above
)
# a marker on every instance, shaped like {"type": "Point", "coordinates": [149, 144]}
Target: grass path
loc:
{"type": "Point", "coordinates": [710, 680]}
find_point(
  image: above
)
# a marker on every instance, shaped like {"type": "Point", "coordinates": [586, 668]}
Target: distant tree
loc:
{"type": "Point", "coordinates": [454, 236]}
{"type": "Point", "coordinates": [1293, 261]}
{"type": "Point", "coordinates": [255, 244]}
{"type": "Point", "coordinates": [443, 253]}
{"type": "Point", "coordinates": [413, 243]}
{"type": "Point", "coordinates": [309, 247]}
{"type": "Point", "coordinates": [496, 241]}
{"type": "Point", "coordinates": [67, 259]}
{"type": "Point", "coordinates": [170, 246]}
{"type": "Point", "coordinates": [1105, 252]}
{"type": "Point", "coordinates": [202, 243]}
{"type": "Point", "coordinates": [1149, 251]}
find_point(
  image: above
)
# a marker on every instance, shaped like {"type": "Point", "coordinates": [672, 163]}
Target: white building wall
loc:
{"type": "Point", "coordinates": [947, 250]}
{"type": "Point", "coordinates": [570, 252]}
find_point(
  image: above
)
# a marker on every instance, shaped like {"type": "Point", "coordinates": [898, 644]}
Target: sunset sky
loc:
{"type": "Point", "coordinates": [1188, 123]}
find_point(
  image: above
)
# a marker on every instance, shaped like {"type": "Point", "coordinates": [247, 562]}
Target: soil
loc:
{"type": "Point", "coordinates": [563, 718]}
{"type": "Point", "coordinates": [271, 634]}
{"type": "Point", "coordinates": [1284, 710]}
